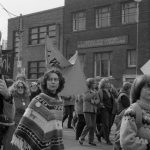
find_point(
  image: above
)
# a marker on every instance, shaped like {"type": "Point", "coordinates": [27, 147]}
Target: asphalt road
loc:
{"type": "Point", "coordinates": [72, 144]}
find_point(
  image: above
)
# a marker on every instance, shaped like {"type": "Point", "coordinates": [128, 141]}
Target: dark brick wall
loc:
{"type": "Point", "coordinates": [35, 52]}
{"type": "Point", "coordinates": [119, 60]}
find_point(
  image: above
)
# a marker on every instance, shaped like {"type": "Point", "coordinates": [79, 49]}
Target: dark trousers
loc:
{"type": "Point", "coordinates": [3, 130]}
{"type": "Point", "coordinates": [90, 120]}
{"type": "Point", "coordinates": [106, 123]}
{"type": "Point", "coordinates": [80, 125]}
{"type": "Point", "coordinates": [68, 113]}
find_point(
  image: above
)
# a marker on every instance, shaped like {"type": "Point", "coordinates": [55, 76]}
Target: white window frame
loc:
{"type": "Point", "coordinates": [130, 57]}
{"type": "Point", "coordinates": [129, 12]}
{"type": "Point", "coordinates": [82, 60]}
{"type": "Point", "coordinates": [79, 21]}
{"type": "Point", "coordinates": [99, 56]}
{"type": "Point", "coordinates": [103, 17]}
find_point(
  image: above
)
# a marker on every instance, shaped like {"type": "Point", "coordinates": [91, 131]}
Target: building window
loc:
{"type": "Point", "coordinates": [16, 43]}
{"type": "Point", "coordinates": [36, 69]}
{"type": "Point", "coordinates": [79, 21]}
{"type": "Point", "coordinates": [37, 34]}
{"type": "Point", "coordinates": [102, 63]}
{"type": "Point", "coordinates": [129, 12]}
{"type": "Point", "coordinates": [103, 17]}
{"type": "Point", "coordinates": [131, 56]}
{"type": "Point", "coordinates": [82, 60]}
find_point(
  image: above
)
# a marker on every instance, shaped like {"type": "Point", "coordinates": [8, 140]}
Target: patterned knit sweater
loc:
{"type": "Point", "coordinates": [132, 137]}
{"type": "Point", "coordinates": [41, 125]}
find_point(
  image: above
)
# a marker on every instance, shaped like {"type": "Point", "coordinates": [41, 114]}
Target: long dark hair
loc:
{"type": "Point", "coordinates": [46, 77]}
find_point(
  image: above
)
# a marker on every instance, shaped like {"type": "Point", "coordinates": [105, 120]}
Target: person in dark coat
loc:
{"type": "Point", "coordinates": [108, 110]}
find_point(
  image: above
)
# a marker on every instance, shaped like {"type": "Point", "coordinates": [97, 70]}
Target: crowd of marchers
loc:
{"type": "Point", "coordinates": [32, 114]}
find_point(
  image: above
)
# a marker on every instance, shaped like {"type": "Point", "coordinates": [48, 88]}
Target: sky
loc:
{"type": "Point", "coordinates": [17, 7]}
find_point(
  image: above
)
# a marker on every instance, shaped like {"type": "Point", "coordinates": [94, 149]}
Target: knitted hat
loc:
{"type": "Point", "coordinates": [137, 86]}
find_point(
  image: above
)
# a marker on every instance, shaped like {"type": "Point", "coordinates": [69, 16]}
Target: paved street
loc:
{"type": "Point", "coordinates": [72, 144]}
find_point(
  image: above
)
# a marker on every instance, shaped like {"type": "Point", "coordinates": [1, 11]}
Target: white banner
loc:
{"type": "Point", "coordinates": [75, 79]}
{"type": "Point", "coordinates": [146, 68]}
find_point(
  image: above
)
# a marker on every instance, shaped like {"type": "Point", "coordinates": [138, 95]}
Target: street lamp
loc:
{"type": "Point", "coordinates": [137, 33]}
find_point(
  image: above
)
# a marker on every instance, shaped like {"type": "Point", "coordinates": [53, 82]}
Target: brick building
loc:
{"type": "Point", "coordinates": [105, 34]}
{"type": "Point", "coordinates": [33, 28]}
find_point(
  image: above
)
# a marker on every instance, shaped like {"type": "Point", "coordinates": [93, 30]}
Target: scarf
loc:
{"type": "Point", "coordinates": [41, 125]}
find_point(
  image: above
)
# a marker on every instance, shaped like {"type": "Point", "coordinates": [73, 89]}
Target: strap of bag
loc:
{"type": "Point", "coordinates": [138, 111]}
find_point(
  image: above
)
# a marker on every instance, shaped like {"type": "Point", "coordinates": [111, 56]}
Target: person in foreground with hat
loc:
{"type": "Point", "coordinates": [135, 125]}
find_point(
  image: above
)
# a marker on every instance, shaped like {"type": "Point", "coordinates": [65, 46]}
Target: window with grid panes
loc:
{"type": "Point", "coordinates": [131, 58]}
{"type": "Point", "coordinates": [37, 34]}
{"type": "Point", "coordinates": [102, 64]}
{"type": "Point", "coordinates": [103, 17]}
{"type": "Point", "coordinates": [36, 69]}
{"type": "Point", "coordinates": [79, 21]}
{"type": "Point", "coordinates": [129, 12]}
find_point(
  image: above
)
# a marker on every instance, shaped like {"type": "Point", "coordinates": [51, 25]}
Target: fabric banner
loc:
{"type": "Point", "coordinates": [75, 79]}
{"type": "Point", "coordinates": [146, 68]}
{"type": "Point", "coordinates": [53, 57]}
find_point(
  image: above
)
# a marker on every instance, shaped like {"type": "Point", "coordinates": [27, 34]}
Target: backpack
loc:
{"type": "Point", "coordinates": [138, 121]}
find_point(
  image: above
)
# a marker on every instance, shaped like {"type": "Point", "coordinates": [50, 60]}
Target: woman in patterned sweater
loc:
{"type": "Point", "coordinates": [132, 135]}
{"type": "Point", "coordinates": [41, 125]}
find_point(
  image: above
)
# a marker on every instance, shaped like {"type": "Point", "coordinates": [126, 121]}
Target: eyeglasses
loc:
{"type": "Point", "coordinates": [20, 87]}
{"type": "Point", "coordinates": [147, 85]}
{"type": "Point", "coordinates": [53, 79]}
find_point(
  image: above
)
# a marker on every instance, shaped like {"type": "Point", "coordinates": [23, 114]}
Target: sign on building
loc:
{"type": "Point", "coordinates": [7, 63]}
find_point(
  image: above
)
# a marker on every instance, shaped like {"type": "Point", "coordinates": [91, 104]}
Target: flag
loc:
{"type": "Point", "coordinates": [146, 68]}
{"type": "Point", "coordinates": [74, 76]}
{"type": "Point", "coordinates": [53, 56]}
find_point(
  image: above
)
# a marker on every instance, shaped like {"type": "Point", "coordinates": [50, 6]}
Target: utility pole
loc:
{"type": "Point", "coordinates": [137, 34]}
{"type": "Point", "coordinates": [20, 34]}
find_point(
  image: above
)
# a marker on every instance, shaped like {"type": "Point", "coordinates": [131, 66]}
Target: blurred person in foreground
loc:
{"type": "Point", "coordinates": [7, 110]}
{"type": "Point", "coordinates": [135, 125]}
{"type": "Point", "coordinates": [41, 125]}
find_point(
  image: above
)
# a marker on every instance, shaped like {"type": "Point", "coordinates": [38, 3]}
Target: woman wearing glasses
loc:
{"type": "Point", "coordinates": [20, 93]}
{"type": "Point", "coordinates": [135, 126]}
{"type": "Point", "coordinates": [41, 125]}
